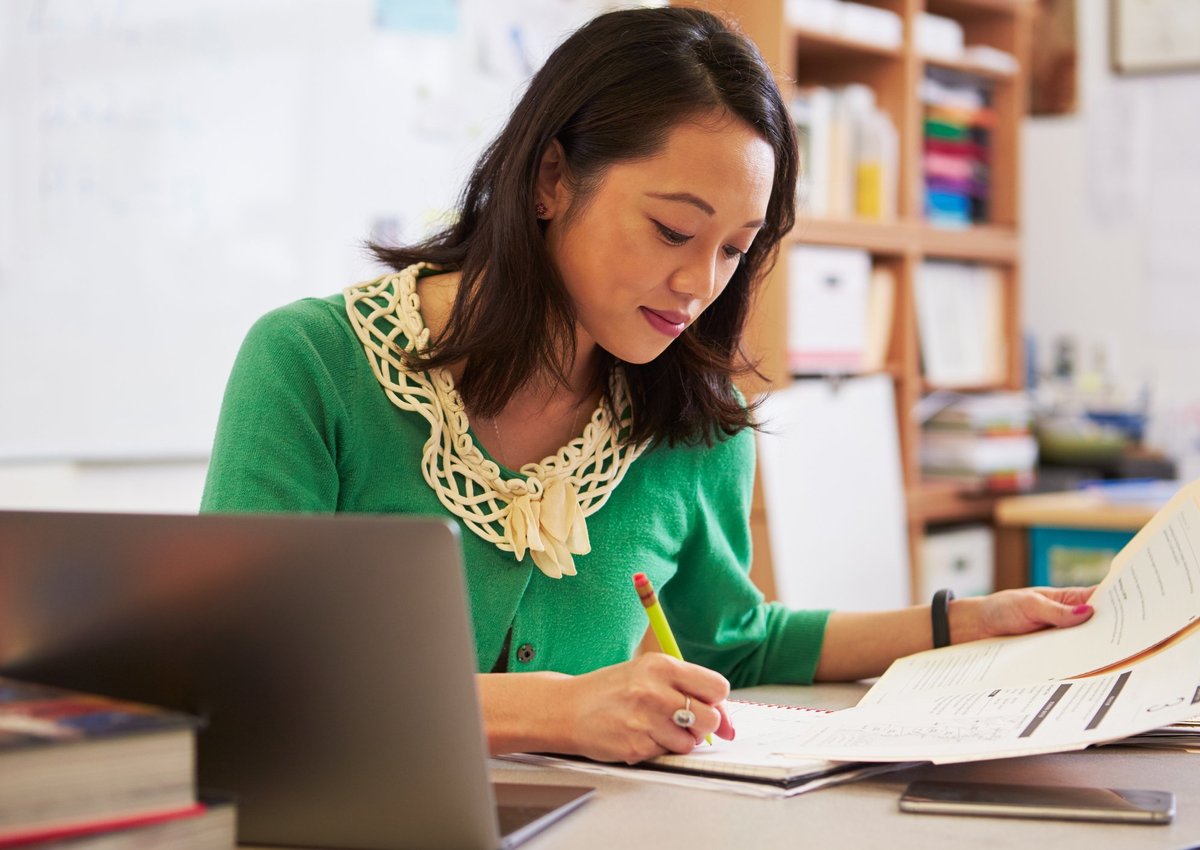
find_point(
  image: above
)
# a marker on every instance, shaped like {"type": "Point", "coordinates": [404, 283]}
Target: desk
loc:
{"type": "Point", "coordinates": [1081, 512]}
{"type": "Point", "coordinates": [630, 815]}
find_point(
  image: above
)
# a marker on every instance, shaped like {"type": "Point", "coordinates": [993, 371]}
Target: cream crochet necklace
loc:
{"type": "Point", "coordinates": [544, 512]}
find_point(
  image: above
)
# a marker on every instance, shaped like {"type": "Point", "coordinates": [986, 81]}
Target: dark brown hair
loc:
{"type": "Point", "coordinates": [611, 92]}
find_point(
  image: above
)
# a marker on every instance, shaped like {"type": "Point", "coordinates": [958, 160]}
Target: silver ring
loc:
{"type": "Point", "coordinates": [685, 717]}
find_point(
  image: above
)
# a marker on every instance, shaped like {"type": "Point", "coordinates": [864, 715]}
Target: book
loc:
{"type": "Point", "coordinates": [984, 413]}
{"type": "Point", "coordinates": [995, 463]}
{"type": "Point", "coordinates": [881, 304]}
{"type": "Point", "coordinates": [210, 824]}
{"type": "Point", "coordinates": [981, 442]}
{"type": "Point", "coordinates": [850, 150]}
{"type": "Point", "coordinates": [812, 113]}
{"type": "Point", "coordinates": [69, 759]}
{"type": "Point", "coordinates": [958, 122]}
{"type": "Point", "coordinates": [960, 318]}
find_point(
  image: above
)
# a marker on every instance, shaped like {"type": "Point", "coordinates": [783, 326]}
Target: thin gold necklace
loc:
{"type": "Point", "coordinates": [576, 425]}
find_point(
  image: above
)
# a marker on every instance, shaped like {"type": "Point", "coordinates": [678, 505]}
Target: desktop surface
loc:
{"type": "Point", "coordinates": [635, 814]}
{"type": "Point", "coordinates": [632, 814]}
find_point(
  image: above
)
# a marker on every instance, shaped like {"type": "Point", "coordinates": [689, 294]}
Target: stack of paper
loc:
{"type": "Point", "coordinates": [1184, 735]}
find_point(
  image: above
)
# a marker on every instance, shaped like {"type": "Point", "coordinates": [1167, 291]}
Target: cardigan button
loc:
{"type": "Point", "coordinates": [525, 653]}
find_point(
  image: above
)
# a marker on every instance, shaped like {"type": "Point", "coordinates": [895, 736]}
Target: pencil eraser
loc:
{"type": "Point", "coordinates": [640, 580]}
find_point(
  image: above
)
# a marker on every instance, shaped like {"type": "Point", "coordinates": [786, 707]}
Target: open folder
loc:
{"type": "Point", "coordinates": [1129, 669]}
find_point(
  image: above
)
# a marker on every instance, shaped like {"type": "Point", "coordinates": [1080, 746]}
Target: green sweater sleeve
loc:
{"type": "Point", "coordinates": [284, 417]}
{"type": "Point", "coordinates": [719, 616]}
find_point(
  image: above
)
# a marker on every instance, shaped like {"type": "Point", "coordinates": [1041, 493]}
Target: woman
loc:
{"type": "Point", "coordinates": [555, 370]}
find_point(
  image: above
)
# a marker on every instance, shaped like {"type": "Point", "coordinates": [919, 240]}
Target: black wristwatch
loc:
{"type": "Point", "coordinates": [939, 612]}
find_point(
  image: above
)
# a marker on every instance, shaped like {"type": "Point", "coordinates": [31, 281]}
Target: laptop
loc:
{"type": "Point", "coordinates": [329, 657]}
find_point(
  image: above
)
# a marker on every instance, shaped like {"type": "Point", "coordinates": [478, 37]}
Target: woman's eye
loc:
{"type": "Point", "coordinates": [672, 236]}
{"type": "Point", "coordinates": [734, 254]}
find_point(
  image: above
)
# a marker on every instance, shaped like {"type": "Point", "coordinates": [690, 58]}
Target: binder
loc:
{"type": "Point", "coordinates": [827, 309]}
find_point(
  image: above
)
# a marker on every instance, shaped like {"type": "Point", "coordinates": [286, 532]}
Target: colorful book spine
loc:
{"type": "Point", "coordinates": [956, 161]}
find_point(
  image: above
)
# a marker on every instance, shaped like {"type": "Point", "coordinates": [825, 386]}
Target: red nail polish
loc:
{"type": "Point", "coordinates": [1081, 609]}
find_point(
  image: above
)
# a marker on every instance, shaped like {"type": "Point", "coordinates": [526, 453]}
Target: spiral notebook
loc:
{"type": "Point", "coordinates": [766, 758]}
{"type": "Point", "coordinates": [768, 748]}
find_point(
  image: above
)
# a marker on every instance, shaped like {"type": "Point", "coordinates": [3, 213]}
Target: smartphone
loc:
{"type": "Point", "coordinates": [1055, 802]}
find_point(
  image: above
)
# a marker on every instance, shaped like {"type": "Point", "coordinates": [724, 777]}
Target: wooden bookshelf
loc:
{"type": "Point", "coordinates": [801, 56]}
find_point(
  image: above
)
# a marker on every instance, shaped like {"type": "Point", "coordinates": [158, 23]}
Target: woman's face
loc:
{"type": "Point", "coordinates": [659, 239]}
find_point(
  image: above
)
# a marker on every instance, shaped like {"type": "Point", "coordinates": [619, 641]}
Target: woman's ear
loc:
{"type": "Point", "coordinates": [551, 194]}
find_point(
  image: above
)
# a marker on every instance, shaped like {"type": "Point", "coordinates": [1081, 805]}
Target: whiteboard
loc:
{"type": "Point", "coordinates": [169, 171]}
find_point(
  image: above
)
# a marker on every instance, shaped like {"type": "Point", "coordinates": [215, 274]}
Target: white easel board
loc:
{"type": "Point", "coordinates": [834, 492]}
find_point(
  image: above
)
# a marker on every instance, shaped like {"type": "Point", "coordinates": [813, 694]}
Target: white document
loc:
{"type": "Point", "coordinates": [830, 463]}
{"type": "Point", "coordinates": [987, 722]}
{"type": "Point", "coordinates": [1151, 593]}
{"type": "Point", "coordinates": [765, 733]}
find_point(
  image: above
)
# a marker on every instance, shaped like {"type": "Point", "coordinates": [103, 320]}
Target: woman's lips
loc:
{"type": "Point", "coordinates": [666, 322]}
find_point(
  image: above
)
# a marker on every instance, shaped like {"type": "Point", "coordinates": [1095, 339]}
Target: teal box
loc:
{"type": "Point", "coordinates": [1062, 557]}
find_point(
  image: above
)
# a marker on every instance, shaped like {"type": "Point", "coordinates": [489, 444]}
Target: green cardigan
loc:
{"type": "Point", "coordinates": [306, 427]}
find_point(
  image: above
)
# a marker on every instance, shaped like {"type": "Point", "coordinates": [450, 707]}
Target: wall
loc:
{"type": "Point", "coordinates": [1110, 233]}
{"type": "Point", "coordinates": [159, 486]}
{"type": "Point", "coordinates": [169, 172]}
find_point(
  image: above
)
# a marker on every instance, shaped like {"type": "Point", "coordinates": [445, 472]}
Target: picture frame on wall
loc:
{"type": "Point", "coordinates": [1154, 36]}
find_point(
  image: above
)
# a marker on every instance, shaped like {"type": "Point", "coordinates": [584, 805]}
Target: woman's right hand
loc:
{"type": "Point", "coordinates": [625, 712]}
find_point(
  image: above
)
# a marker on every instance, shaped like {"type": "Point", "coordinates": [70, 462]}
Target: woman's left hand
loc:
{"type": "Point", "coordinates": [1015, 612]}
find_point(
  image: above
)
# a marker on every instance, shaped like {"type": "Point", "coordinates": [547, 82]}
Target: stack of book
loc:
{"type": "Point", "coordinates": [958, 128]}
{"type": "Point", "coordinates": [850, 152]}
{"type": "Point", "coordinates": [87, 772]}
{"type": "Point", "coordinates": [981, 442]}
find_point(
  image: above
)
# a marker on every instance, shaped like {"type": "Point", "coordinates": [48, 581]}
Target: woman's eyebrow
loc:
{"type": "Point", "coordinates": [699, 203]}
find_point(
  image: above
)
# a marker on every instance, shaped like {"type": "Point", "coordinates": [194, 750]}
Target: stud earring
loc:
{"type": "Point", "coordinates": [540, 209]}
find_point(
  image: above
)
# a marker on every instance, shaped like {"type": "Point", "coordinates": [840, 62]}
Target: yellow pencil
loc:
{"type": "Point", "coordinates": [658, 620]}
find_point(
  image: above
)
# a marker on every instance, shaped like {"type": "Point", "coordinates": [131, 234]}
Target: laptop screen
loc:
{"type": "Point", "coordinates": [329, 657]}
